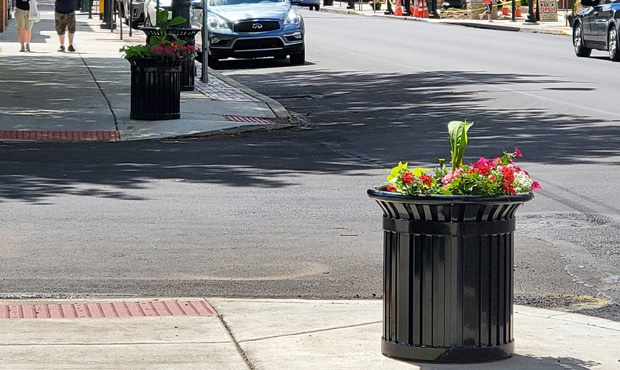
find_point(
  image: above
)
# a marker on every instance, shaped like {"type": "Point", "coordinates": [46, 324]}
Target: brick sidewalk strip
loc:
{"type": "Point", "coordinates": [251, 119]}
{"type": "Point", "coordinates": [59, 135]}
{"type": "Point", "coordinates": [106, 310]}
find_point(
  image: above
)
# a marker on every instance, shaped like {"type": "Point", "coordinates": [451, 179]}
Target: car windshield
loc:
{"type": "Point", "coordinates": [241, 2]}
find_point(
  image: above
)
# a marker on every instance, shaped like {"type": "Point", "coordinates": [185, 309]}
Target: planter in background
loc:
{"type": "Point", "coordinates": [155, 90]}
{"type": "Point", "coordinates": [188, 67]}
{"type": "Point", "coordinates": [448, 276]}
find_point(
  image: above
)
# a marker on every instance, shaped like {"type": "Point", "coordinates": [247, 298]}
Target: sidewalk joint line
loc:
{"type": "Point", "coordinates": [312, 331]}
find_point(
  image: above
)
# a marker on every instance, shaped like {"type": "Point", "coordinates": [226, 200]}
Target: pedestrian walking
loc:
{"type": "Point", "coordinates": [64, 20]}
{"type": "Point", "coordinates": [24, 24]}
{"type": "Point", "coordinates": [488, 11]}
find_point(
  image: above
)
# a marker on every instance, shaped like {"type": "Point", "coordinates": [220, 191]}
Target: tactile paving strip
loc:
{"type": "Point", "coordinates": [60, 135]}
{"type": "Point", "coordinates": [106, 310]}
{"type": "Point", "coordinates": [250, 119]}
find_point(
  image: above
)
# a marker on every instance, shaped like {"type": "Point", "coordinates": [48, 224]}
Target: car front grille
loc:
{"type": "Point", "coordinates": [268, 43]}
{"type": "Point", "coordinates": [256, 26]}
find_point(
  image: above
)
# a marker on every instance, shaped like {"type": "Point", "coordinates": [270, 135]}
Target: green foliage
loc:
{"type": "Point", "coordinates": [165, 47]}
{"type": "Point", "coordinates": [163, 23]}
{"type": "Point", "coordinates": [458, 141]}
{"type": "Point", "coordinates": [486, 177]}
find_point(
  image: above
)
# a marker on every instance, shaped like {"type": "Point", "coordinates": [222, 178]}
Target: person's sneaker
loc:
{"type": "Point", "coordinates": [28, 47]}
{"type": "Point", "coordinates": [61, 49]}
{"type": "Point", "coordinates": [71, 48]}
{"type": "Point", "coordinates": [490, 20]}
{"type": "Point", "coordinates": [22, 49]}
{"type": "Point", "coordinates": [481, 16]}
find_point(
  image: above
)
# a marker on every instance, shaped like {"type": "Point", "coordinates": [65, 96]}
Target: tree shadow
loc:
{"type": "Point", "coordinates": [359, 122]}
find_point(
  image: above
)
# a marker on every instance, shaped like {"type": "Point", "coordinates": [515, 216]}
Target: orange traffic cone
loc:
{"type": "Point", "coordinates": [517, 9]}
{"type": "Point", "coordinates": [424, 9]}
{"type": "Point", "coordinates": [399, 8]}
{"type": "Point", "coordinates": [416, 9]}
{"type": "Point", "coordinates": [412, 7]}
{"type": "Point", "coordinates": [505, 9]}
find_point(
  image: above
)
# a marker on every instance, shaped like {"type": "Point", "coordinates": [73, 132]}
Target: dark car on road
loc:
{"type": "Point", "coordinates": [251, 29]}
{"type": "Point", "coordinates": [596, 27]}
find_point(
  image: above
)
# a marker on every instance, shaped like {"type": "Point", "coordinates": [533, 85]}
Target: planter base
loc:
{"type": "Point", "coordinates": [448, 355]}
{"type": "Point", "coordinates": [155, 91]}
{"type": "Point", "coordinates": [448, 276]}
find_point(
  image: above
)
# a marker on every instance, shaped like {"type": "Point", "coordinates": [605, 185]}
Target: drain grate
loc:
{"type": "Point", "coordinates": [106, 310]}
{"type": "Point", "coordinates": [250, 119]}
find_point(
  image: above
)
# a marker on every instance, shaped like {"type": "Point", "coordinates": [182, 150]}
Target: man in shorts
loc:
{"type": "Point", "coordinates": [65, 22]}
{"type": "Point", "coordinates": [23, 24]}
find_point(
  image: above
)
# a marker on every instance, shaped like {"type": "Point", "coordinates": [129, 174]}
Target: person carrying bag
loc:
{"type": "Point", "coordinates": [24, 23]}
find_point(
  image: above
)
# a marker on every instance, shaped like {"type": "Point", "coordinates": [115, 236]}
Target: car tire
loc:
{"type": "Point", "coordinates": [612, 44]}
{"type": "Point", "coordinates": [580, 50]}
{"type": "Point", "coordinates": [299, 58]}
{"type": "Point", "coordinates": [317, 7]}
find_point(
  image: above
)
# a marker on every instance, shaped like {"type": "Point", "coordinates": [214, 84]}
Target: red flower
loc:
{"type": "Point", "coordinates": [509, 174]}
{"type": "Point", "coordinates": [391, 188]}
{"type": "Point", "coordinates": [426, 180]}
{"type": "Point", "coordinates": [408, 178]}
{"type": "Point", "coordinates": [509, 189]}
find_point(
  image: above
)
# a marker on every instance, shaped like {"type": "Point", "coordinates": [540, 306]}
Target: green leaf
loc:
{"type": "Point", "coordinates": [396, 171]}
{"type": "Point", "coordinates": [162, 18]}
{"type": "Point", "coordinates": [176, 20]}
{"type": "Point", "coordinates": [458, 141]}
{"type": "Point", "coordinates": [419, 171]}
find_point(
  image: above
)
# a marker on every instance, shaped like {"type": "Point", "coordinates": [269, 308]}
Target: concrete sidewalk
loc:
{"type": "Point", "coordinates": [456, 17]}
{"type": "Point", "coordinates": [273, 334]}
{"type": "Point", "coordinates": [48, 95]}
{"type": "Point", "coordinates": [84, 96]}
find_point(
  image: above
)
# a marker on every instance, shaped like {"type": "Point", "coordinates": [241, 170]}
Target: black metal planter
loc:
{"type": "Point", "coordinates": [188, 67]}
{"type": "Point", "coordinates": [448, 276]}
{"type": "Point", "coordinates": [155, 90]}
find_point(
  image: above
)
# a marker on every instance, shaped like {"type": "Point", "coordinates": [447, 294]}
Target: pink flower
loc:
{"type": "Point", "coordinates": [517, 152]}
{"type": "Point", "coordinates": [536, 186]}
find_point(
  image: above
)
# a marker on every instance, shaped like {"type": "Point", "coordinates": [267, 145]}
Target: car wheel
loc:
{"type": "Point", "coordinates": [580, 50]}
{"type": "Point", "coordinates": [317, 7]}
{"type": "Point", "coordinates": [612, 42]}
{"type": "Point", "coordinates": [299, 58]}
{"type": "Point", "coordinates": [147, 22]}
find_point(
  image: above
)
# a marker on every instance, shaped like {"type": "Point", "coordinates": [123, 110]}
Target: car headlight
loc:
{"type": "Point", "coordinates": [292, 17]}
{"type": "Point", "coordinates": [215, 23]}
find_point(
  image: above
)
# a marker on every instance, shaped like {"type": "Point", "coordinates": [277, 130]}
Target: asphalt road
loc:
{"type": "Point", "coordinates": [285, 214]}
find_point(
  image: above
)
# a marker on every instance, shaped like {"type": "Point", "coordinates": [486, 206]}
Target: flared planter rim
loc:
{"type": "Point", "coordinates": [380, 193]}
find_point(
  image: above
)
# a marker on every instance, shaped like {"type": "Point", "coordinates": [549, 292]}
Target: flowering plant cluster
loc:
{"type": "Point", "coordinates": [499, 176]}
{"type": "Point", "coordinates": [166, 52]}
{"type": "Point", "coordinates": [166, 47]}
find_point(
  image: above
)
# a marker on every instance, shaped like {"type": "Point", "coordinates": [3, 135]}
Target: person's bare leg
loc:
{"type": "Point", "coordinates": [61, 38]}
{"type": "Point", "coordinates": [21, 36]}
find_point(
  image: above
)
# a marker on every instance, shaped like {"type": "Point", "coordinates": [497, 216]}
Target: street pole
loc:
{"type": "Point", "coordinates": [531, 18]}
{"type": "Point", "coordinates": [205, 43]}
{"type": "Point", "coordinates": [107, 15]}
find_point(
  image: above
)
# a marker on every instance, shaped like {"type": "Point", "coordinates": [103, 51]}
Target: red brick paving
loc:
{"type": "Point", "coordinates": [59, 135]}
{"type": "Point", "coordinates": [250, 119]}
{"type": "Point", "coordinates": [106, 309]}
